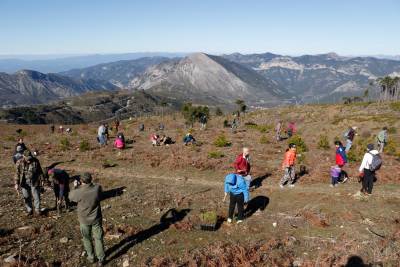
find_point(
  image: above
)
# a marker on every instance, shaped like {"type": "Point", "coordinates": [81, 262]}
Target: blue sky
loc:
{"type": "Point", "coordinates": [352, 27]}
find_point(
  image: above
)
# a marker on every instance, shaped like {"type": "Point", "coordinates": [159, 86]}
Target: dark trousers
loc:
{"type": "Point", "coordinates": [233, 201]}
{"type": "Point", "coordinates": [368, 181]}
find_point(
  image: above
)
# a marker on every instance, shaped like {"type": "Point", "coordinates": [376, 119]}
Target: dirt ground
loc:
{"type": "Point", "coordinates": [154, 195]}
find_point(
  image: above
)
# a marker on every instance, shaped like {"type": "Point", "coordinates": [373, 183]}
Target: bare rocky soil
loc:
{"type": "Point", "coordinates": [154, 195]}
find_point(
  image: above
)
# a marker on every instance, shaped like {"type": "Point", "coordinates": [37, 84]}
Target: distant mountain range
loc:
{"type": "Point", "coordinates": [48, 64]}
{"type": "Point", "coordinates": [325, 77]}
{"type": "Point", "coordinates": [260, 79]}
{"type": "Point", "coordinates": [32, 87]}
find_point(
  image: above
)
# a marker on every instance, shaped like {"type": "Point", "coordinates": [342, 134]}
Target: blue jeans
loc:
{"type": "Point", "coordinates": [31, 193]}
{"type": "Point", "coordinates": [349, 143]}
{"type": "Point", "coordinates": [102, 139]}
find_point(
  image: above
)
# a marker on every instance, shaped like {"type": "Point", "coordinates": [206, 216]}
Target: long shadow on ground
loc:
{"type": "Point", "coordinates": [167, 219]}
{"type": "Point", "coordinates": [255, 204]}
{"type": "Point", "coordinates": [257, 182]}
{"type": "Point", "coordinates": [115, 192]}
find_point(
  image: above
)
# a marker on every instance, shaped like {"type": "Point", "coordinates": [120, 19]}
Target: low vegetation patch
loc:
{"type": "Point", "coordinates": [84, 145]}
{"type": "Point", "coordinates": [221, 141]}
{"type": "Point", "coordinates": [65, 144]}
{"type": "Point", "coordinates": [264, 128]}
{"type": "Point", "coordinates": [215, 155]}
{"type": "Point", "coordinates": [299, 142]}
{"type": "Point", "coordinates": [323, 142]}
{"type": "Point", "coordinates": [264, 140]}
{"type": "Point", "coordinates": [395, 106]}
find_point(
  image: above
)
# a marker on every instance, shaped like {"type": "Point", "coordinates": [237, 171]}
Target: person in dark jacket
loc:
{"type": "Point", "coordinates": [60, 180]}
{"type": "Point", "coordinates": [351, 132]}
{"type": "Point", "coordinates": [88, 197]}
{"type": "Point", "coordinates": [20, 144]}
{"type": "Point", "coordinates": [27, 179]}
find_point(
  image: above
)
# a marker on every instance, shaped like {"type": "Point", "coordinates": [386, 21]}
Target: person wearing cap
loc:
{"type": "Point", "coordinates": [382, 139]}
{"type": "Point", "coordinates": [365, 171]}
{"type": "Point", "coordinates": [288, 164]}
{"type": "Point", "coordinates": [88, 197]}
{"type": "Point", "coordinates": [350, 137]}
{"type": "Point", "coordinates": [27, 179]}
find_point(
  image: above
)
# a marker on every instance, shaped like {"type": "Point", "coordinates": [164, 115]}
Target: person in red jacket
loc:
{"type": "Point", "coordinates": [242, 165]}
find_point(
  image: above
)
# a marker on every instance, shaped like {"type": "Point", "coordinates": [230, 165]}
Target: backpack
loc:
{"type": "Point", "coordinates": [376, 162]}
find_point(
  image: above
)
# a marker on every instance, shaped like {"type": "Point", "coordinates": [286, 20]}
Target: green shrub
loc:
{"type": "Point", "coordinates": [264, 140]}
{"type": "Point", "coordinates": [395, 106]}
{"type": "Point", "coordinates": [215, 155]}
{"type": "Point", "coordinates": [298, 141]}
{"type": "Point", "coordinates": [391, 148]}
{"type": "Point", "coordinates": [209, 217]}
{"type": "Point", "coordinates": [221, 141]}
{"type": "Point", "coordinates": [323, 142]}
{"type": "Point", "coordinates": [84, 145]}
{"type": "Point", "coordinates": [64, 144]}
{"type": "Point", "coordinates": [264, 128]}
{"type": "Point", "coordinates": [392, 130]}
{"type": "Point", "coordinates": [218, 112]}
{"type": "Point", "coordinates": [11, 138]}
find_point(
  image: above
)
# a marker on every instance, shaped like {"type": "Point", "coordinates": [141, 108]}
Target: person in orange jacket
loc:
{"type": "Point", "coordinates": [288, 166]}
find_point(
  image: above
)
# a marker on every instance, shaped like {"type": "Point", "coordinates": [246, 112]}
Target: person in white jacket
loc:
{"type": "Point", "coordinates": [365, 172]}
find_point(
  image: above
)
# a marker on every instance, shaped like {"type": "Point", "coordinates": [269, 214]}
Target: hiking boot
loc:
{"type": "Point", "coordinates": [291, 185]}
{"type": "Point", "coordinates": [331, 185]}
{"type": "Point", "coordinates": [229, 220]}
{"type": "Point", "coordinates": [239, 221]}
{"type": "Point", "coordinates": [281, 186]}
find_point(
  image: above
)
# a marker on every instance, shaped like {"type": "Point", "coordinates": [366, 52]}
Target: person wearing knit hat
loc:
{"type": "Point", "coordinates": [367, 169]}
{"type": "Point", "coordinates": [27, 179]}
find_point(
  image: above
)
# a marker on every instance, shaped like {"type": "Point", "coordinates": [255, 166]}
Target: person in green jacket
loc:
{"type": "Point", "coordinates": [382, 139]}
{"type": "Point", "coordinates": [88, 197]}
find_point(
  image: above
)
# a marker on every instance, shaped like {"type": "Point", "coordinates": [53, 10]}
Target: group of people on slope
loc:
{"type": "Point", "coordinates": [30, 178]}
{"type": "Point", "coordinates": [289, 131]}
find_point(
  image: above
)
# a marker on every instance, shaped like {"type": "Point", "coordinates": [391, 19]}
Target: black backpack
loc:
{"type": "Point", "coordinates": [376, 162]}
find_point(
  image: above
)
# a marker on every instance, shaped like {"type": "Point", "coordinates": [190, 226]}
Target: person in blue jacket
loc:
{"type": "Point", "coordinates": [238, 191]}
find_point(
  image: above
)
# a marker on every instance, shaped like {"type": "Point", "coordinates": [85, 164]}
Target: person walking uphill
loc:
{"type": "Point", "coordinates": [288, 165]}
{"type": "Point", "coordinates": [27, 179]}
{"type": "Point", "coordinates": [101, 135]}
{"type": "Point", "coordinates": [371, 162]}
{"type": "Point", "coordinates": [382, 139]}
{"type": "Point", "coordinates": [238, 192]}
{"type": "Point", "coordinates": [242, 165]}
{"type": "Point", "coordinates": [341, 160]}
{"type": "Point", "coordinates": [349, 135]}
{"type": "Point", "coordinates": [88, 197]}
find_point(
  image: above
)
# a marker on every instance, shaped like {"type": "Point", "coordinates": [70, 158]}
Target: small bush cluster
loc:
{"type": "Point", "coordinates": [323, 142]}
{"type": "Point", "coordinates": [264, 128]}
{"type": "Point", "coordinates": [264, 140]}
{"type": "Point", "coordinates": [84, 145]}
{"type": "Point", "coordinates": [395, 106]}
{"type": "Point", "coordinates": [392, 130]}
{"type": "Point", "coordinates": [391, 148]}
{"type": "Point", "coordinates": [299, 142]}
{"type": "Point", "coordinates": [208, 217]}
{"type": "Point", "coordinates": [215, 155]}
{"type": "Point", "coordinates": [65, 144]}
{"type": "Point", "coordinates": [221, 141]}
